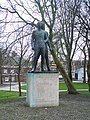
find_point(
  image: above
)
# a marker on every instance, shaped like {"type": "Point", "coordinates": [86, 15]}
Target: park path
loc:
{"type": "Point", "coordinates": [14, 86]}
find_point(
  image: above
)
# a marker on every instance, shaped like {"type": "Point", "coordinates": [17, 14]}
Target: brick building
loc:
{"type": "Point", "coordinates": [10, 73]}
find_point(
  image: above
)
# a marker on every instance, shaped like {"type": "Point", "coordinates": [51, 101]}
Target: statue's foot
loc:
{"type": "Point", "coordinates": [42, 70]}
{"type": "Point", "coordinates": [49, 69]}
{"type": "Point", "coordinates": [32, 70]}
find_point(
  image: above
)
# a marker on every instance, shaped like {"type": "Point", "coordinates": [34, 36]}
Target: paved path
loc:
{"type": "Point", "coordinates": [14, 86]}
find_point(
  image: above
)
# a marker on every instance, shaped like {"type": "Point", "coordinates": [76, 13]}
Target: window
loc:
{"type": "Point", "coordinates": [12, 71]}
{"type": "Point", "coordinates": [13, 79]}
{"type": "Point", "coordinates": [5, 71]}
{"type": "Point", "coordinates": [6, 79]}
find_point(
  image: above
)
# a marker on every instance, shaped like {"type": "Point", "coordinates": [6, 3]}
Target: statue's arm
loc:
{"type": "Point", "coordinates": [33, 40]}
{"type": "Point", "coordinates": [47, 40]}
{"type": "Point", "coordinates": [48, 43]}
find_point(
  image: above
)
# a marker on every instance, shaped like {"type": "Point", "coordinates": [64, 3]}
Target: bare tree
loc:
{"type": "Point", "coordinates": [48, 10]}
{"type": "Point", "coordinates": [21, 47]}
{"type": "Point", "coordinates": [2, 44]}
{"type": "Point", "coordinates": [67, 34]}
{"type": "Point", "coordinates": [84, 50]}
{"type": "Point", "coordinates": [85, 23]}
{"type": "Point", "coordinates": [18, 30]}
{"type": "Point", "coordinates": [26, 12]}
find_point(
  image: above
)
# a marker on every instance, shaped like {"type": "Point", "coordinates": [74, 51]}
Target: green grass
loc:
{"type": "Point", "coordinates": [78, 86]}
{"type": "Point", "coordinates": [23, 87]}
{"type": "Point", "coordinates": [9, 95]}
{"type": "Point", "coordinates": [62, 86]}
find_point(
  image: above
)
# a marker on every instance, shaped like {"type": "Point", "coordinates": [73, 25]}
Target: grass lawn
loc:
{"type": "Point", "coordinates": [23, 87]}
{"type": "Point", "coordinates": [9, 95]}
{"type": "Point", "coordinates": [62, 86]}
{"type": "Point", "coordinates": [78, 86]}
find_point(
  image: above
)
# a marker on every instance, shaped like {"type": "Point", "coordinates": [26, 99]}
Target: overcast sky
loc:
{"type": "Point", "coordinates": [13, 17]}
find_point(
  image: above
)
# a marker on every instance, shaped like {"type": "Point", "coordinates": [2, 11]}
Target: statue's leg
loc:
{"type": "Point", "coordinates": [42, 63]}
{"type": "Point", "coordinates": [42, 58]}
{"type": "Point", "coordinates": [47, 60]}
{"type": "Point", "coordinates": [35, 59]}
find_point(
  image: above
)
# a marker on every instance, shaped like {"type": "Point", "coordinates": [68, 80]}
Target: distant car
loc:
{"type": "Point", "coordinates": [61, 78]}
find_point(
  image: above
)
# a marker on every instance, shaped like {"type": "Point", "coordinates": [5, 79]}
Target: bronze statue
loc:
{"type": "Point", "coordinates": [47, 44]}
{"type": "Point", "coordinates": [38, 45]}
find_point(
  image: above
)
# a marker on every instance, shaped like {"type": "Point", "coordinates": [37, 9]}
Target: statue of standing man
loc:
{"type": "Point", "coordinates": [38, 45]}
{"type": "Point", "coordinates": [47, 45]}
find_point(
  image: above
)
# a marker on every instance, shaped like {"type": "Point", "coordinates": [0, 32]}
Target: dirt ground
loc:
{"type": "Point", "coordinates": [72, 107]}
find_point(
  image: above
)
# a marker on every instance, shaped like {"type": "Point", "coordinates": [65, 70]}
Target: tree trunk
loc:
{"type": "Point", "coordinates": [1, 82]}
{"type": "Point", "coordinates": [88, 65]}
{"type": "Point", "coordinates": [71, 89]}
{"type": "Point", "coordinates": [84, 79]}
{"type": "Point", "coordinates": [70, 70]}
{"type": "Point", "coordinates": [1, 63]}
{"type": "Point", "coordinates": [19, 85]}
{"type": "Point", "coordinates": [88, 73]}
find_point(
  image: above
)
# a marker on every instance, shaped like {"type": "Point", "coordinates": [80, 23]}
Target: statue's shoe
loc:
{"type": "Point", "coordinates": [32, 70]}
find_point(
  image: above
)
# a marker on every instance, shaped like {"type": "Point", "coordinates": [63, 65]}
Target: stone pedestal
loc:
{"type": "Point", "coordinates": [42, 89]}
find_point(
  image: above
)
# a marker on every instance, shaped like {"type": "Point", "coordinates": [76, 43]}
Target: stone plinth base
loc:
{"type": "Point", "coordinates": [42, 89]}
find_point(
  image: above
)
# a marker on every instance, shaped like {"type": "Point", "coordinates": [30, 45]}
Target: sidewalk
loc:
{"type": "Point", "coordinates": [14, 86]}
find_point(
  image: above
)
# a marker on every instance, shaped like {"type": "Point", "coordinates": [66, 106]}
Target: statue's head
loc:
{"type": "Point", "coordinates": [41, 25]}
